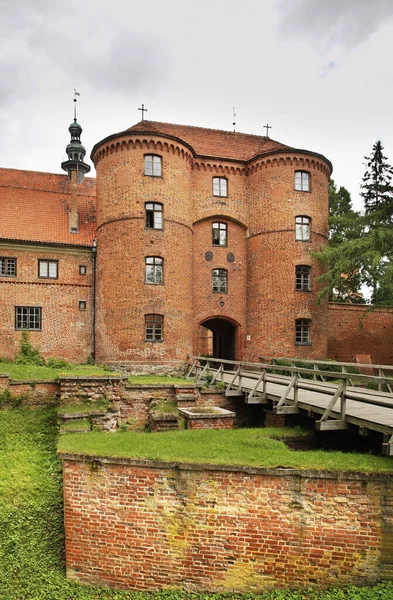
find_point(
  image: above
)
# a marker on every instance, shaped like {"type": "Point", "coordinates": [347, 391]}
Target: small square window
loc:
{"type": "Point", "coordinates": [153, 165]}
{"type": "Point", "coordinates": [220, 187]}
{"type": "Point", "coordinates": [82, 269]}
{"type": "Point", "coordinates": [47, 269]}
{"type": "Point", "coordinates": [7, 267]}
{"type": "Point", "coordinates": [28, 317]}
{"type": "Point", "coordinates": [82, 304]}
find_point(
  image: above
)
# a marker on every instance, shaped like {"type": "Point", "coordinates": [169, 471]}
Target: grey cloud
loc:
{"type": "Point", "coordinates": [347, 22]}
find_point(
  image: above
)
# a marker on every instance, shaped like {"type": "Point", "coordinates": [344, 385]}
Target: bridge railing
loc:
{"type": "Point", "coordinates": [334, 414]}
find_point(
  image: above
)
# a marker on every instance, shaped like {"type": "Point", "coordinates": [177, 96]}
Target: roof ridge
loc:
{"type": "Point", "coordinates": [253, 135]}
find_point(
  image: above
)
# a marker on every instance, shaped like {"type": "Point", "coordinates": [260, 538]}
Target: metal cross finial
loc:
{"type": "Point", "coordinates": [267, 129]}
{"type": "Point", "coordinates": [143, 109]}
{"type": "Point", "coordinates": [75, 100]}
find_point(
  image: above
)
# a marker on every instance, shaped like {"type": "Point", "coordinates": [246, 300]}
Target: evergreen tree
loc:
{"type": "Point", "coordinates": [361, 249]}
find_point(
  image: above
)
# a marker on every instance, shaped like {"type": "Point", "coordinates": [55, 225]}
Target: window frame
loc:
{"type": "Point", "coordinates": [48, 261]}
{"type": "Point", "coordinates": [302, 332]}
{"type": "Point", "coordinates": [222, 276]}
{"type": "Point", "coordinates": [81, 269]}
{"type": "Point", "coordinates": [157, 265]}
{"type": "Point", "coordinates": [8, 259]}
{"type": "Point", "coordinates": [300, 226]}
{"type": "Point", "coordinates": [157, 328]}
{"type": "Point", "coordinates": [146, 166]}
{"type": "Point", "coordinates": [303, 278]}
{"type": "Point", "coordinates": [19, 318]}
{"type": "Point", "coordinates": [303, 186]}
{"type": "Point", "coordinates": [82, 305]}
{"type": "Point", "coordinates": [219, 181]}
{"type": "Point", "coordinates": [219, 229]}
{"type": "Point", "coordinates": [152, 214]}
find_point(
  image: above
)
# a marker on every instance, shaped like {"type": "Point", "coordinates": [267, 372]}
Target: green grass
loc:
{"type": "Point", "coordinates": [75, 425]}
{"type": "Point", "coordinates": [83, 407]}
{"type": "Point", "coordinates": [33, 372]}
{"type": "Point", "coordinates": [249, 447]}
{"type": "Point", "coordinates": [31, 525]}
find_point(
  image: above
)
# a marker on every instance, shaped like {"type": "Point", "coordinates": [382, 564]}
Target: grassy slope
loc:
{"type": "Point", "coordinates": [31, 537]}
{"type": "Point", "coordinates": [253, 447]}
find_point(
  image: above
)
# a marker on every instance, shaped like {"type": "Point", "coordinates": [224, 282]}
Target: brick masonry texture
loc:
{"type": "Point", "coordinates": [357, 329]}
{"type": "Point", "coordinates": [145, 525]}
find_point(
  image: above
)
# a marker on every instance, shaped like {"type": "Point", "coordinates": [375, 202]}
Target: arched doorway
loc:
{"type": "Point", "coordinates": [222, 341]}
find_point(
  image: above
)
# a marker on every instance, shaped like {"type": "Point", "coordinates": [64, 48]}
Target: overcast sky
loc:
{"type": "Point", "coordinates": [318, 71]}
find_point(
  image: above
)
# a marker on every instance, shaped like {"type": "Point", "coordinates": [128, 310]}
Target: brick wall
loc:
{"type": "Point", "coordinates": [146, 525]}
{"type": "Point", "coordinates": [355, 329]}
{"type": "Point", "coordinates": [66, 330]}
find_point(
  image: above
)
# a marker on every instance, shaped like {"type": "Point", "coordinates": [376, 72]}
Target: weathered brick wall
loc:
{"type": "Point", "coordinates": [147, 525]}
{"type": "Point", "coordinates": [91, 389]}
{"type": "Point", "coordinates": [33, 392]}
{"type": "Point", "coordinates": [357, 329]}
{"type": "Point", "coordinates": [273, 303]}
{"type": "Point", "coordinates": [66, 330]}
{"type": "Point", "coordinates": [124, 242]}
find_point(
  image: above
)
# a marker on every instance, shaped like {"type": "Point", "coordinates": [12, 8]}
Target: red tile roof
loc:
{"type": "Point", "coordinates": [215, 142]}
{"type": "Point", "coordinates": [35, 208]}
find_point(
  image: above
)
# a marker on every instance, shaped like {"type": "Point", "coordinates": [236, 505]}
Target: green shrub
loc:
{"type": "Point", "coordinates": [28, 355]}
{"type": "Point", "coordinates": [6, 397]}
{"type": "Point", "coordinates": [58, 363]}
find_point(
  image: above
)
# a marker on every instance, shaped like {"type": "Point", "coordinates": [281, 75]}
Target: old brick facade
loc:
{"type": "Point", "coordinates": [148, 525]}
{"type": "Point", "coordinates": [190, 240]}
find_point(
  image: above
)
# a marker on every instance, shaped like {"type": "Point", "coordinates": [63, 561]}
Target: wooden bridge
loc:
{"type": "Point", "coordinates": [335, 394]}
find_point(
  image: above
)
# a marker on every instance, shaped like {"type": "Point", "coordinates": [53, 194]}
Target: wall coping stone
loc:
{"type": "Point", "coordinates": [156, 416]}
{"type": "Point", "coordinates": [141, 386]}
{"type": "Point", "coordinates": [216, 413]}
{"type": "Point", "coordinates": [93, 378]}
{"type": "Point", "coordinates": [30, 381]}
{"type": "Point", "coordinates": [212, 391]}
{"type": "Point", "coordinates": [184, 466]}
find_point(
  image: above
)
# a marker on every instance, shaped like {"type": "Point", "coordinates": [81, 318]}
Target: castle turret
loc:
{"type": "Point", "coordinates": [76, 154]}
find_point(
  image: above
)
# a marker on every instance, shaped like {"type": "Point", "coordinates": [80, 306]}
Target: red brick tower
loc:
{"type": "Point", "coordinates": [204, 228]}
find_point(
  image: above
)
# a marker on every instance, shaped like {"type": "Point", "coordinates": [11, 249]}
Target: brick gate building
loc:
{"type": "Point", "coordinates": [189, 240]}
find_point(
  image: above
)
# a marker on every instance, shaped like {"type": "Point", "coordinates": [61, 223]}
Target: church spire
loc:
{"type": "Point", "coordinates": [75, 151]}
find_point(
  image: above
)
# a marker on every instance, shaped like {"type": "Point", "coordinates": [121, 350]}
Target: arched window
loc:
{"type": "Point", "coordinates": [303, 332]}
{"type": "Point", "coordinates": [220, 186]}
{"type": "Point", "coordinates": [154, 269]}
{"type": "Point", "coordinates": [153, 165]}
{"type": "Point", "coordinates": [303, 278]}
{"type": "Point", "coordinates": [220, 280]}
{"type": "Point", "coordinates": [302, 181]}
{"type": "Point", "coordinates": [154, 326]}
{"type": "Point", "coordinates": [303, 226]}
{"type": "Point", "coordinates": [153, 215]}
{"type": "Point", "coordinates": [219, 232]}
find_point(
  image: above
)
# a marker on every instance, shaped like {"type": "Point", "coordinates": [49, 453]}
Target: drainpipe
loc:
{"type": "Point", "coordinates": [93, 311]}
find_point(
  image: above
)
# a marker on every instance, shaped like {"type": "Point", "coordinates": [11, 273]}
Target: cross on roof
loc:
{"type": "Point", "coordinates": [267, 129]}
{"type": "Point", "coordinates": [143, 109]}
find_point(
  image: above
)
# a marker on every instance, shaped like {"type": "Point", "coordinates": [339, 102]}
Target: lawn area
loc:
{"type": "Point", "coordinates": [249, 447]}
{"type": "Point", "coordinates": [34, 372]}
{"type": "Point", "coordinates": [31, 524]}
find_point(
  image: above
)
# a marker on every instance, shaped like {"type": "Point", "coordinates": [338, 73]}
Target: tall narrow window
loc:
{"type": "Point", "coordinates": [154, 328]}
{"type": "Point", "coordinates": [28, 317]}
{"type": "Point", "coordinates": [154, 269]}
{"type": "Point", "coordinates": [7, 267]}
{"type": "Point", "coordinates": [153, 165]}
{"type": "Point", "coordinates": [219, 234]}
{"type": "Point", "coordinates": [302, 181]}
{"type": "Point", "coordinates": [303, 277]}
{"type": "Point", "coordinates": [220, 280]}
{"type": "Point", "coordinates": [303, 332]}
{"type": "Point", "coordinates": [153, 212]}
{"type": "Point", "coordinates": [303, 228]}
{"type": "Point", "coordinates": [47, 269]}
{"type": "Point", "coordinates": [220, 186]}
